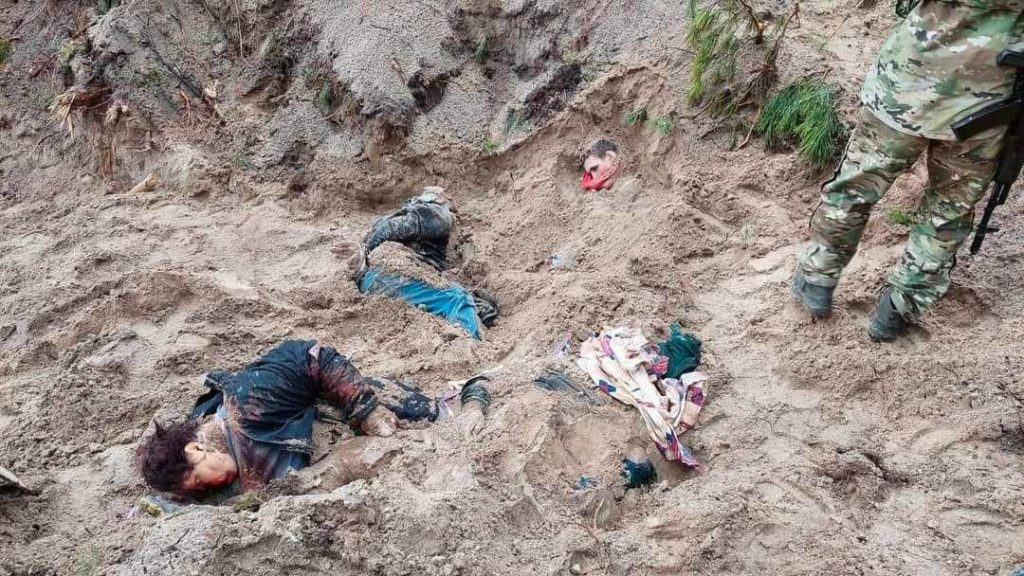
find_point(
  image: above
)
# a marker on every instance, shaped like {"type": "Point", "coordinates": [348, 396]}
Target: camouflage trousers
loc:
{"type": "Point", "coordinates": [424, 226]}
{"type": "Point", "coordinates": [958, 173]}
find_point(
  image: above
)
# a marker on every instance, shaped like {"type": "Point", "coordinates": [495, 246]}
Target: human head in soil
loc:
{"type": "Point", "coordinates": [174, 459]}
{"type": "Point", "coordinates": [601, 166]}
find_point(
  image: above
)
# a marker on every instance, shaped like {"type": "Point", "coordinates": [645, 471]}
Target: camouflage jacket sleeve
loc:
{"type": "Point", "coordinates": [939, 65]}
{"type": "Point", "coordinates": [340, 383]}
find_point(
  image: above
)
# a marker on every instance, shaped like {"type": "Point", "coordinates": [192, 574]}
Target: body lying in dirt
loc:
{"type": "Point", "coordinates": [423, 224]}
{"type": "Point", "coordinates": [256, 425]}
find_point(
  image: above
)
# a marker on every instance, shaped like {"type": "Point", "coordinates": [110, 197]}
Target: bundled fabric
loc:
{"type": "Point", "coordinates": [682, 350]}
{"type": "Point", "coordinates": [637, 473]}
{"type": "Point", "coordinates": [486, 307]}
{"type": "Point", "coordinates": [624, 365]}
{"type": "Point", "coordinates": [455, 304]}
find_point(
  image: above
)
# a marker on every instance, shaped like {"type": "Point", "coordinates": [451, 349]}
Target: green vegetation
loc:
{"type": "Point", "coordinates": [739, 130]}
{"type": "Point", "coordinates": [713, 35]}
{"type": "Point", "coordinates": [483, 50]}
{"type": "Point", "coordinates": [248, 502]}
{"type": "Point", "coordinates": [588, 72]}
{"type": "Point", "coordinates": [662, 125]}
{"type": "Point", "coordinates": [901, 217]}
{"type": "Point", "coordinates": [68, 50]}
{"type": "Point", "coordinates": [104, 6]}
{"type": "Point", "coordinates": [804, 112]}
{"type": "Point", "coordinates": [489, 145]}
{"type": "Point", "coordinates": [514, 120]}
{"type": "Point", "coordinates": [716, 33]}
{"type": "Point", "coordinates": [324, 96]}
{"type": "Point", "coordinates": [88, 564]}
{"type": "Point", "coordinates": [244, 162]}
{"type": "Point", "coordinates": [150, 75]}
{"type": "Point", "coordinates": [274, 54]}
{"type": "Point", "coordinates": [5, 50]}
{"type": "Point", "coordinates": [748, 234]}
{"type": "Point", "coordinates": [331, 97]}
{"type": "Point", "coordinates": [636, 116]}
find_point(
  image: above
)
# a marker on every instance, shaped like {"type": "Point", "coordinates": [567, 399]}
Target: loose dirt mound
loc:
{"type": "Point", "coordinates": [280, 129]}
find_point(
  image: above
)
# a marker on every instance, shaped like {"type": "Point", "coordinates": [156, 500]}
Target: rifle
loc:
{"type": "Point", "coordinates": [1009, 112]}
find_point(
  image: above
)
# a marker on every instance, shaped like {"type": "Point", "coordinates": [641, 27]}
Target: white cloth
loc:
{"type": "Point", "coordinates": [619, 360]}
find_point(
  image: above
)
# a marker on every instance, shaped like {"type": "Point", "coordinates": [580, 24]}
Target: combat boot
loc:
{"type": "Point", "coordinates": [816, 299]}
{"type": "Point", "coordinates": [887, 324]}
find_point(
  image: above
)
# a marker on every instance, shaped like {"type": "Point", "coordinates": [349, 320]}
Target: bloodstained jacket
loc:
{"type": "Point", "coordinates": [268, 407]}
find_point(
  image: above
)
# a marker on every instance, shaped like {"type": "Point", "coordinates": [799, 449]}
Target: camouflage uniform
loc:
{"type": "Point", "coordinates": [423, 223]}
{"type": "Point", "coordinates": [938, 66]}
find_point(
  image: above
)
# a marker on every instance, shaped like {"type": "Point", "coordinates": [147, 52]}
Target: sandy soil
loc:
{"type": "Point", "coordinates": [824, 453]}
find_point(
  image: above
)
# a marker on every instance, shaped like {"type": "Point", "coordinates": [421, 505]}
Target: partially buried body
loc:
{"type": "Point", "coordinates": [601, 166]}
{"type": "Point", "coordinates": [256, 425]}
{"type": "Point", "coordinates": [423, 225]}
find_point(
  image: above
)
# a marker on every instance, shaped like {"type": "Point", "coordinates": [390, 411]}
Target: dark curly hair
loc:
{"type": "Point", "coordinates": [161, 457]}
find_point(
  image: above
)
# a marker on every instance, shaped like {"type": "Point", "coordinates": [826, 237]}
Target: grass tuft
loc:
{"type": "Point", "coordinates": [88, 564]}
{"type": "Point", "coordinates": [515, 119]}
{"type": "Point", "coordinates": [483, 50]}
{"type": "Point", "coordinates": [805, 113]}
{"type": "Point", "coordinates": [636, 116]}
{"type": "Point", "coordinates": [68, 50]}
{"type": "Point", "coordinates": [901, 217]}
{"type": "Point", "coordinates": [5, 50]}
{"type": "Point", "coordinates": [662, 125]}
{"type": "Point", "coordinates": [489, 145]}
{"type": "Point", "coordinates": [243, 161]}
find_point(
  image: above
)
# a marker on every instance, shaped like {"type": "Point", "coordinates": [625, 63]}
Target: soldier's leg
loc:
{"type": "Point", "coordinates": [416, 222]}
{"type": "Point", "coordinates": [875, 157]}
{"type": "Point", "coordinates": [958, 174]}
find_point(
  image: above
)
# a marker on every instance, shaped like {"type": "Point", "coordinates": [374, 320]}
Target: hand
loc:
{"type": "Point", "coordinates": [354, 255]}
{"type": "Point", "coordinates": [380, 422]}
{"type": "Point", "coordinates": [472, 419]}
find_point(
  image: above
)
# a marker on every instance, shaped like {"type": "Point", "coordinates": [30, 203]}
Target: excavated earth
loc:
{"type": "Point", "coordinates": [277, 129]}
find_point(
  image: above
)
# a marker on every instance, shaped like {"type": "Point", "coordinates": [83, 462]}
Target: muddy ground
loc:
{"type": "Point", "coordinates": [278, 129]}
